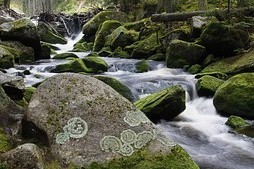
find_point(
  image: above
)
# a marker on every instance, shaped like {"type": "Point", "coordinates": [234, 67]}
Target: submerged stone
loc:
{"type": "Point", "coordinates": [87, 122]}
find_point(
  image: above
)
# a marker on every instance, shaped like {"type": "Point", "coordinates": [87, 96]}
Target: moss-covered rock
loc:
{"type": "Point", "coordinates": [23, 30]}
{"type": "Point", "coordinates": [90, 28]}
{"type": "Point", "coordinates": [121, 37]}
{"type": "Point", "coordinates": [46, 50]}
{"type": "Point", "coordinates": [118, 86]}
{"type": "Point", "coordinates": [218, 75]}
{"type": "Point", "coordinates": [6, 59]}
{"type": "Point", "coordinates": [106, 29]}
{"type": "Point", "coordinates": [120, 53]}
{"type": "Point", "coordinates": [83, 47]}
{"type": "Point", "coordinates": [95, 64]}
{"type": "Point", "coordinates": [236, 122]}
{"type": "Point", "coordinates": [25, 53]}
{"type": "Point", "coordinates": [194, 69]}
{"type": "Point", "coordinates": [105, 52]}
{"type": "Point", "coordinates": [233, 65]}
{"type": "Point", "coordinates": [65, 55]}
{"type": "Point", "coordinates": [75, 66]}
{"type": "Point", "coordinates": [48, 34]}
{"type": "Point", "coordinates": [165, 104]}
{"type": "Point", "coordinates": [146, 47]}
{"type": "Point", "coordinates": [181, 53]}
{"type": "Point", "coordinates": [236, 96]}
{"type": "Point", "coordinates": [157, 57]}
{"type": "Point", "coordinates": [222, 40]}
{"type": "Point", "coordinates": [178, 159]}
{"type": "Point", "coordinates": [28, 93]}
{"type": "Point", "coordinates": [142, 66]}
{"type": "Point", "coordinates": [138, 25]}
{"type": "Point", "coordinates": [207, 85]}
{"type": "Point", "coordinates": [5, 143]}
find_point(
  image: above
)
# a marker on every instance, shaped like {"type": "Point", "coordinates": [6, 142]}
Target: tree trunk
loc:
{"type": "Point", "coordinates": [167, 6]}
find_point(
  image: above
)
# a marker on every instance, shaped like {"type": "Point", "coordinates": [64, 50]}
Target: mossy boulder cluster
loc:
{"type": "Point", "coordinates": [89, 124]}
{"type": "Point", "coordinates": [236, 96]}
{"type": "Point", "coordinates": [165, 104]}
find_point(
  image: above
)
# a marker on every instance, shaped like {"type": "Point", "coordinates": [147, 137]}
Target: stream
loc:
{"type": "Point", "coordinates": [199, 129]}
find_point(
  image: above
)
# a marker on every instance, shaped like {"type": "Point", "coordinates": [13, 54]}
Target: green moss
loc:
{"type": "Point", "coordinates": [236, 96]}
{"type": "Point", "coordinates": [194, 69]}
{"type": "Point", "coordinates": [74, 66]}
{"type": "Point", "coordinates": [83, 47]}
{"type": "Point", "coordinates": [236, 122]}
{"type": "Point", "coordinates": [181, 53]}
{"type": "Point", "coordinates": [157, 57]}
{"type": "Point", "coordinates": [207, 85]}
{"type": "Point", "coordinates": [118, 86]}
{"type": "Point", "coordinates": [165, 104]}
{"type": "Point", "coordinates": [121, 37]}
{"type": "Point", "coordinates": [28, 93]}
{"type": "Point", "coordinates": [146, 47]}
{"type": "Point", "coordinates": [5, 143]}
{"type": "Point", "coordinates": [105, 30]}
{"type": "Point", "coordinates": [120, 53]}
{"type": "Point", "coordinates": [65, 55]}
{"type": "Point", "coordinates": [233, 65]}
{"type": "Point", "coordinates": [49, 34]}
{"type": "Point", "coordinates": [90, 28]}
{"type": "Point", "coordinates": [6, 59]}
{"type": "Point", "coordinates": [95, 64]}
{"type": "Point", "coordinates": [177, 159]}
{"type": "Point", "coordinates": [142, 66]}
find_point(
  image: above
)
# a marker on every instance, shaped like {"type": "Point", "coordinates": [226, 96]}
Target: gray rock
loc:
{"type": "Point", "coordinates": [15, 81]}
{"type": "Point", "coordinates": [10, 114]}
{"type": "Point", "coordinates": [26, 156]}
{"type": "Point", "coordinates": [87, 121]}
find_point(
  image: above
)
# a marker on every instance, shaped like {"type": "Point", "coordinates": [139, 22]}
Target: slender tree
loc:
{"type": "Point", "coordinates": [202, 5]}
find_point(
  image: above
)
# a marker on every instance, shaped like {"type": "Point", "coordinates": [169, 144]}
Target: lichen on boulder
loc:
{"type": "Point", "coordinates": [88, 123]}
{"type": "Point", "coordinates": [165, 104]}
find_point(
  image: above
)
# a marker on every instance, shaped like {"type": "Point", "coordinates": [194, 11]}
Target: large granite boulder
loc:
{"type": "Point", "coordinates": [165, 104]}
{"type": "Point", "coordinates": [181, 53]}
{"type": "Point", "coordinates": [207, 85]}
{"type": "Point", "coordinates": [106, 29]}
{"type": "Point", "coordinates": [26, 156]}
{"type": "Point", "coordinates": [233, 65]}
{"type": "Point", "coordinates": [48, 34]}
{"type": "Point", "coordinates": [90, 28]}
{"type": "Point", "coordinates": [23, 30]}
{"type": "Point", "coordinates": [236, 96]}
{"type": "Point", "coordinates": [87, 123]}
{"type": "Point", "coordinates": [222, 40]}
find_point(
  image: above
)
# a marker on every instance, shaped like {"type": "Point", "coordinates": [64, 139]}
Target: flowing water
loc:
{"type": "Point", "coordinates": [199, 129]}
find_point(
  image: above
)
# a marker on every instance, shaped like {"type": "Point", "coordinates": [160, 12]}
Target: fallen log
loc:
{"type": "Point", "coordinates": [168, 17]}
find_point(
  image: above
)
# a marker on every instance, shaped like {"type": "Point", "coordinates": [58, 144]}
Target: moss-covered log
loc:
{"type": "Point", "coordinates": [167, 17]}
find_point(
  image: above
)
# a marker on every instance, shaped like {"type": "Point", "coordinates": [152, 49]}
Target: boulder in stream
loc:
{"type": "Point", "coordinates": [89, 124]}
{"type": "Point", "coordinates": [181, 53]}
{"type": "Point", "coordinates": [90, 28]}
{"type": "Point", "coordinates": [236, 96]}
{"type": "Point", "coordinates": [207, 85]}
{"type": "Point", "coordinates": [65, 56]}
{"type": "Point", "coordinates": [165, 104]}
{"type": "Point", "coordinates": [48, 34]}
{"type": "Point", "coordinates": [6, 58]}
